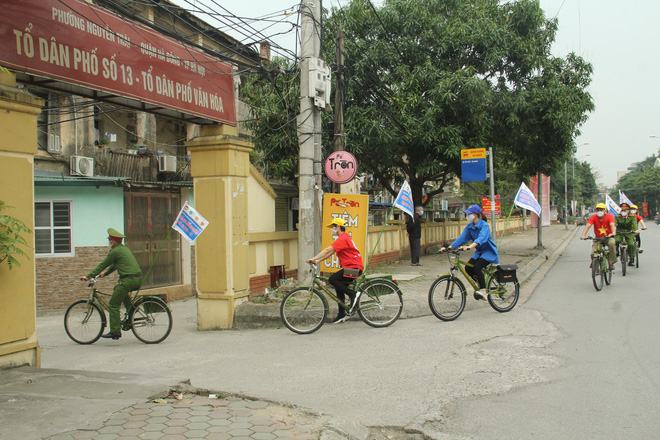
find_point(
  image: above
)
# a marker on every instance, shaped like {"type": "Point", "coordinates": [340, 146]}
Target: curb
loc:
{"type": "Point", "coordinates": [530, 268]}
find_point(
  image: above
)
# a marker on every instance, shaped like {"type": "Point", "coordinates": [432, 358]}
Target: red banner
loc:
{"type": "Point", "coordinates": [85, 45]}
{"type": "Point", "coordinates": [545, 203]}
{"type": "Point", "coordinates": [645, 207]}
{"type": "Point", "coordinates": [485, 201]}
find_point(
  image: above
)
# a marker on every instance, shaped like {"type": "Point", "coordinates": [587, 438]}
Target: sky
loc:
{"type": "Point", "coordinates": [621, 39]}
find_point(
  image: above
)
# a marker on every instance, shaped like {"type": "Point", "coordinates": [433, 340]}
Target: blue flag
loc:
{"type": "Point", "coordinates": [525, 199]}
{"type": "Point", "coordinates": [612, 207]}
{"type": "Point", "coordinates": [404, 200]}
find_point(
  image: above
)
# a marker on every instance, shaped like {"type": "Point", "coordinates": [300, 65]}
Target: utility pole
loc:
{"type": "Point", "coordinates": [565, 194]}
{"type": "Point", "coordinates": [309, 140]}
{"type": "Point", "coordinates": [493, 218]}
{"type": "Point", "coordinates": [539, 233]}
{"type": "Point", "coordinates": [340, 93]}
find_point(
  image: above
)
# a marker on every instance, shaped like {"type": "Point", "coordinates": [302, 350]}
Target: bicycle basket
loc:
{"type": "Point", "coordinates": [506, 273]}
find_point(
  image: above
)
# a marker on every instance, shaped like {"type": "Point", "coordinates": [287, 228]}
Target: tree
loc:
{"type": "Point", "coordinates": [642, 184]}
{"type": "Point", "coordinates": [273, 96]}
{"type": "Point", "coordinates": [428, 78]}
{"type": "Point", "coordinates": [11, 239]}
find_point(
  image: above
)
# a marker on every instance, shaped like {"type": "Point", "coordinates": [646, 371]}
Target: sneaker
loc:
{"type": "Point", "coordinates": [480, 294]}
{"type": "Point", "coordinates": [641, 251]}
{"type": "Point", "coordinates": [340, 318]}
{"type": "Point", "coordinates": [355, 301]}
{"type": "Point", "coordinates": [631, 264]}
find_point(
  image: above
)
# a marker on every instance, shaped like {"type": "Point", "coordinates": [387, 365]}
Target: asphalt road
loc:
{"type": "Point", "coordinates": [568, 363]}
{"type": "Point", "coordinates": [607, 381]}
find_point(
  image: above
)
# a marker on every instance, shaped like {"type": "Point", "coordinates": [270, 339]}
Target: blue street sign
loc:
{"type": "Point", "coordinates": [473, 165]}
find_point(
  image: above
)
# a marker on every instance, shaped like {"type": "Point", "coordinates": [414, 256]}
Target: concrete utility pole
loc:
{"type": "Point", "coordinates": [539, 240]}
{"type": "Point", "coordinates": [565, 194]}
{"type": "Point", "coordinates": [339, 99]}
{"type": "Point", "coordinates": [493, 217]}
{"type": "Point", "coordinates": [309, 139]}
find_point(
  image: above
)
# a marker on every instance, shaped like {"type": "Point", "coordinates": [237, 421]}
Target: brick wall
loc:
{"type": "Point", "coordinates": [58, 283]}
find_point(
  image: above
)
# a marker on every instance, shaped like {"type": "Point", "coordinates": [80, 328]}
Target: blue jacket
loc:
{"type": "Point", "coordinates": [480, 234]}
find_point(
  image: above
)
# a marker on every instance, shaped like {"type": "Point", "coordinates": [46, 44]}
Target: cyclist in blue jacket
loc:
{"type": "Point", "coordinates": [478, 232]}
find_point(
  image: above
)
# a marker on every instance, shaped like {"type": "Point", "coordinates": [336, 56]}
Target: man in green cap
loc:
{"type": "Point", "coordinates": [122, 260]}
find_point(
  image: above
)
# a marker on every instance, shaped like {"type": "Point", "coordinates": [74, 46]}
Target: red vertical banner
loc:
{"type": "Point", "coordinates": [545, 203]}
{"type": "Point", "coordinates": [645, 207]}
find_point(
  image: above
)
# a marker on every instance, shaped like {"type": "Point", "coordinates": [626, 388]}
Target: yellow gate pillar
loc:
{"type": "Point", "coordinates": [220, 166]}
{"type": "Point", "coordinates": [18, 145]}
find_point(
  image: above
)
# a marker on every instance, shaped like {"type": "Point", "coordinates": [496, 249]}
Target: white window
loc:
{"type": "Point", "coordinates": [52, 228]}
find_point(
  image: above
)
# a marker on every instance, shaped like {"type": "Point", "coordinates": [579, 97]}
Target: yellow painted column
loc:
{"type": "Point", "coordinates": [18, 145]}
{"type": "Point", "coordinates": [220, 166]}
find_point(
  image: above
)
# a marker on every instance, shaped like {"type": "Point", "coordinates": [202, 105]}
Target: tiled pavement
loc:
{"type": "Point", "coordinates": [202, 417]}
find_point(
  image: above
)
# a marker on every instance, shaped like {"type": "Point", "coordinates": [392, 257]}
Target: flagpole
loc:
{"type": "Point", "coordinates": [379, 237]}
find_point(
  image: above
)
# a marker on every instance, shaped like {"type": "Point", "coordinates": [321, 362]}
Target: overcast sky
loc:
{"type": "Point", "coordinates": [621, 39]}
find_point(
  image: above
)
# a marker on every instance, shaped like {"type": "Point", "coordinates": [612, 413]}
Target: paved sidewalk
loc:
{"type": "Point", "coordinates": [61, 404]}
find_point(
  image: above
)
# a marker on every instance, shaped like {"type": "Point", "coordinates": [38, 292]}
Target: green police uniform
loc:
{"type": "Point", "coordinates": [626, 224]}
{"type": "Point", "coordinates": [121, 259]}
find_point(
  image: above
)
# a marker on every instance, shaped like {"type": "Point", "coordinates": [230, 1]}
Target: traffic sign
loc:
{"type": "Point", "coordinates": [473, 165]}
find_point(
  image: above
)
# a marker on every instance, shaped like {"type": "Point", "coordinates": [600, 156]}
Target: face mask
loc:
{"type": "Point", "coordinates": [110, 244]}
{"type": "Point", "coordinates": [470, 217]}
{"type": "Point", "coordinates": [335, 231]}
{"type": "Point", "coordinates": [624, 213]}
{"type": "Point", "coordinates": [633, 211]}
{"type": "Point", "coordinates": [600, 213]}
{"type": "Point", "coordinates": [421, 212]}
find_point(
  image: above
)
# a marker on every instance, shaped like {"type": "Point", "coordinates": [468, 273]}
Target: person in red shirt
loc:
{"type": "Point", "coordinates": [604, 227]}
{"type": "Point", "coordinates": [640, 222]}
{"type": "Point", "coordinates": [349, 258]}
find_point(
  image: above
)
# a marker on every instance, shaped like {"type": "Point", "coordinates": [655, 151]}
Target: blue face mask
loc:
{"type": "Point", "coordinates": [421, 212]}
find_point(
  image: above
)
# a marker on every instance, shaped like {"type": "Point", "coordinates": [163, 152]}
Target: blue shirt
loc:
{"type": "Point", "coordinates": [480, 234]}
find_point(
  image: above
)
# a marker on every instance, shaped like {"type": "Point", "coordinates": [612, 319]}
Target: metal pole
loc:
{"type": "Point", "coordinates": [565, 194]}
{"type": "Point", "coordinates": [493, 229]}
{"type": "Point", "coordinates": [309, 227]}
{"type": "Point", "coordinates": [539, 232]}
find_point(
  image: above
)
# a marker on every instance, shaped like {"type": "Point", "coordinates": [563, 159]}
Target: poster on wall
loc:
{"type": "Point", "coordinates": [545, 203]}
{"type": "Point", "coordinates": [354, 209]}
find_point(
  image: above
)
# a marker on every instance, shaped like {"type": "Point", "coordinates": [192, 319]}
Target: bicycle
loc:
{"type": "Point", "coordinates": [149, 317]}
{"type": "Point", "coordinates": [305, 309]}
{"type": "Point", "coordinates": [600, 266]}
{"type": "Point", "coordinates": [623, 251]}
{"type": "Point", "coordinates": [447, 295]}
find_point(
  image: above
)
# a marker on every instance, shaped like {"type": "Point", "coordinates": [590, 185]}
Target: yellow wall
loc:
{"type": "Point", "coordinates": [18, 145]}
{"type": "Point", "coordinates": [261, 203]}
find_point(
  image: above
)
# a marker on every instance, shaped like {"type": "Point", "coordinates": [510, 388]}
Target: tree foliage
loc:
{"type": "Point", "coordinates": [273, 96]}
{"type": "Point", "coordinates": [642, 184]}
{"type": "Point", "coordinates": [431, 77]}
{"type": "Point", "coordinates": [11, 238]}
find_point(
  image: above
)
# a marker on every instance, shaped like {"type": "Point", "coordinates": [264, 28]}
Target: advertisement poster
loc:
{"type": "Point", "coordinates": [545, 203]}
{"type": "Point", "coordinates": [354, 209]}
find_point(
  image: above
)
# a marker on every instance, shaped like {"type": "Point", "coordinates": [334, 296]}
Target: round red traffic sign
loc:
{"type": "Point", "coordinates": [340, 167]}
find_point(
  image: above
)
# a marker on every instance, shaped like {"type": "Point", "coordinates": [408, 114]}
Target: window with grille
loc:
{"type": "Point", "coordinates": [52, 228]}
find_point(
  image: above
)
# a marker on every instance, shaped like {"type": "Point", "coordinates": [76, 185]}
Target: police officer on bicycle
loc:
{"type": "Point", "coordinates": [121, 259]}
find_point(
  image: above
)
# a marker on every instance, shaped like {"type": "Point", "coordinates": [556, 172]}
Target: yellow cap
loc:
{"type": "Point", "coordinates": [601, 206]}
{"type": "Point", "coordinates": [337, 221]}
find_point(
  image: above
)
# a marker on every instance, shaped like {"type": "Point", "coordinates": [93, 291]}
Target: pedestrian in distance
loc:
{"type": "Point", "coordinates": [478, 232]}
{"type": "Point", "coordinates": [605, 228]}
{"type": "Point", "coordinates": [121, 259]}
{"type": "Point", "coordinates": [349, 259]}
{"type": "Point", "coordinates": [414, 228]}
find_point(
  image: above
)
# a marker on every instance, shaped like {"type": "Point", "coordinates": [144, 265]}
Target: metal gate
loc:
{"type": "Point", "coordinates": [149, 216]}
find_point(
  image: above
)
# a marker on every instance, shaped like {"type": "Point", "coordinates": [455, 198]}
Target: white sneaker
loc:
{"type": "Point", "coordinates": [480, 294]}
{"type": "Point", "coordinates": [355, 301]}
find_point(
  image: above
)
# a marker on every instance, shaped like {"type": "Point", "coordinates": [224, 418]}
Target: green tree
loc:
{"type": "Point", "coordinates": [11, 238]}
{"type": "Point", "coordinates": [273, 96]}
{"type": "Point", "coordinates": [642, 184]}
{"type": "Point", "coordinates": [431, 77]}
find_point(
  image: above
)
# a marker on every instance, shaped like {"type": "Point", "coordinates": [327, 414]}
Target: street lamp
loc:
{"type": "Point", "coordinates": [574, 175]}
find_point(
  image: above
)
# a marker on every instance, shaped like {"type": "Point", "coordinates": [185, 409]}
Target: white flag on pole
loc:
{"type": "Point", "coordinates": [189, 223]}
{"type": "Point", "coordinates": [612, 207]}
{"type": "Point", "coordinates": [525, 199]}
{"type": "Point", "coordinates": [404, 200]}
{"type": "Point", "coordinates": [624, 199]}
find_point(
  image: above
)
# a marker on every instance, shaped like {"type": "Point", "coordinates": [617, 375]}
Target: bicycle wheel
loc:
{"type": "Point", "coordinates": [624, 260]}
{"type": "Point", "coordinates": [505, 296]}
{"type": "Point", "coordinates": [597, 272]}
{"type": "Point", "coordinates": [380, 304]}
{"type": "Point", "coordinates": [447, 298]}
{"type": "Point", "coordinates": [636, 257]}
{"type": "Point", "coordinates": [304, 310]}
{"type": "Point", "coordinates": [84, 322]}
{"type": "Point", "coordinates": [607, 272]}
{"type": "Point", "coordinates": [151, 320]}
